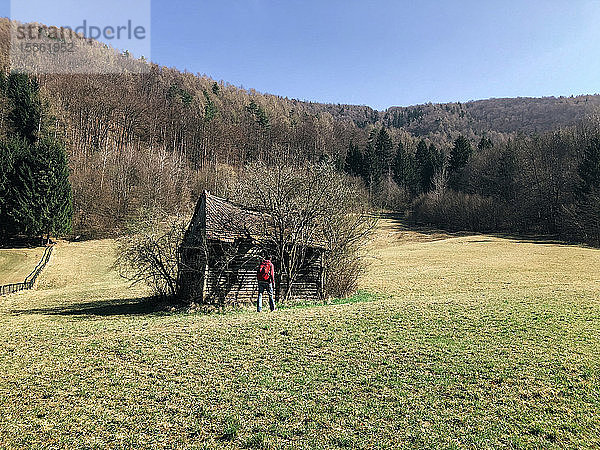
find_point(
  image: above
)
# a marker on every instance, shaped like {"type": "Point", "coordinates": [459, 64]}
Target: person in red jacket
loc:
{"type": "Point", "coordinates": [266, 280]}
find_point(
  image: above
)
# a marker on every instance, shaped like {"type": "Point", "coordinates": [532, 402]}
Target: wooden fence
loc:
{"type": "Point", "coordinates": [31, 278]}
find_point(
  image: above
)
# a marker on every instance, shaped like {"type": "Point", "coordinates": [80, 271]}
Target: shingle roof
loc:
{"type": "Point", "coordinates": [226, 221]}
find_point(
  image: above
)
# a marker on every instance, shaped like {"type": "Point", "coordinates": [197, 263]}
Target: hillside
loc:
{"type": "Point", "coordinates": [472, 341]}
{"type": "Point", "coordinates": [473, 118]}
{"type": "Point", "coordinates": [16, 264]}
{"type": "Point", "coordinates": [505, 115]}
{"type": "Point", "coordinates": [159, 138]}
{"type": "Point", "coordinates": [508, 115]}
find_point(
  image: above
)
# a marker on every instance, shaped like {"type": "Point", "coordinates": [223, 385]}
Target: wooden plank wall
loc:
{"type": "Point", "coordinates": [236, 283]}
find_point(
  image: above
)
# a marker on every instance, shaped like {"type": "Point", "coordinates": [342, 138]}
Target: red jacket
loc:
{"type": "Point", "coordinates": [272, 271]}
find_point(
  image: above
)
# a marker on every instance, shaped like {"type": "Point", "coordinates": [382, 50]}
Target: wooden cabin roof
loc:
{"type": "Point", "coordinates": [226, 221]}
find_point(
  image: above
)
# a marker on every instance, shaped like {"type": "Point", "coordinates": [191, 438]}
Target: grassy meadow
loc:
{"type": "Point", "coordinates": [16, 264]}
{"type": "Point", "coordinates": [456, 341]}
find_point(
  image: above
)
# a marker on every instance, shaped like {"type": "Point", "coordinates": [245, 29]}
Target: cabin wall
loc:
{"type": "Point", "coordinates": [229, 275]}
{"type": "Point", "coordinates": [191, 274]}
{"type": "Point", "coordinates": [308, 284]}
{"type": "Point", "coordinates": [234, 282]}
{"type": "Point", "coordinates": [237, 283]}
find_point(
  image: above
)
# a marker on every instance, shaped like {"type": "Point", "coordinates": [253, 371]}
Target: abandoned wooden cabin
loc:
{"type": "Point", "coordinates": [222, 249]}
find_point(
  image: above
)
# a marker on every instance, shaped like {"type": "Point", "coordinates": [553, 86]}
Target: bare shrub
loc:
{"type": "Point", "coordinates": [149, 252]}
{"type": "Point", "coordinates": [458, 211]}
{"type": "Point", "coordinates": [392, 196]}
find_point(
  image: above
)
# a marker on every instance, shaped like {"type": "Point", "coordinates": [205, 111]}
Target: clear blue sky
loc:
{"type": "Point", "coordinates": [384, 53]}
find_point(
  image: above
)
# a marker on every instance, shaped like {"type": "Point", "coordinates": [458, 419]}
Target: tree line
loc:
{"type": "Point", "coordinates": [157, 139]}
{"type": "Point", "coordinates": [540, 183]}
{"type": "Point", "coordinates": [547, 183]}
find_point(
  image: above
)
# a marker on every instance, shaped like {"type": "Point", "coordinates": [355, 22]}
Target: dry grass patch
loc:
{"type": "Point", "coordinates": [473, 341]}
{"type": "Point", "coordinates": [16, 264]}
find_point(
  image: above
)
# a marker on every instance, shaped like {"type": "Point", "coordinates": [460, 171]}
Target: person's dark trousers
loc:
{"type": "Point", "coordinates": [262, 285]}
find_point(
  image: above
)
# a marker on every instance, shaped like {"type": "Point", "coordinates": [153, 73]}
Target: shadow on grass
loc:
{"type": "Point", "coordinates": [21, 242]}
{"type": "Point", "coordinates": [115, 307]}
{"type": "Point", "coordinates": [402, 223]}
{"type": "Point", "coordinates": [156, 306]}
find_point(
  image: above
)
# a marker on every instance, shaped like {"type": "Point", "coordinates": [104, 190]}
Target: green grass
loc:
{"type": "Point", "coordinates": [359, 296]}
{"type": "Point", "coordinates": [16, 264]}
{"type": "Point", "coordinates": [454, 342]}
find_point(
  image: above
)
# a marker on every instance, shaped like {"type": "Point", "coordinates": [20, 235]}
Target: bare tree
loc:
{"type": "Point", "coordinates": [307, 205]}
{"type": "Point", "coordinates": [149, 253]}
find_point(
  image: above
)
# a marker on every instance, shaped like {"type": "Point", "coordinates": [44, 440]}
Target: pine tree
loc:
{"type": "Point", "coordinates": [460, 154]}
{"type": "Point", "coordinates": [428, 161]}
{"type": "Point", "coordinates": [34, 179]}
{"type": "Point", "coordinates": [25, 116]}
{"type": "Point", "coordinates": [11, 151]}
{"type": "Point", "coordinates": [437, 158]}
{"type": "Point", "coordinates": [354, 164]}
{"type": "Point", "coordinates": [41, 192]}
{"type": "Point", "coordinates": [210, 109]}
{"type": "Point", "coordinates": [384, 150]}
{"type": "Point", "coordinates": [459, 157]}
{"type": "Point", "coordinates": [259, 114]}
{"type": "Point", "coordinates": [584, 214]}
{"type": "Point", "coordinates": [404, 169]}
{"type": "Point", "coordinates": [424, 165]}
{"type": "Point", "coordinates": [58, 199]}
{"type": "Point", "coordinates": [485, 143]}
{"type": "Point", "coordinates": [589, 168]}
{"type": "Point", "coordinates": [504, 180]}
{"type": "Point", "coordinates": [379, 156]}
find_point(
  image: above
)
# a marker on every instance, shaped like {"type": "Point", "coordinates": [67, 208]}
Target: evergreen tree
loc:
{"type": "Point", "coordinates": [459, 157]}
{"type": "Point", "coordinates": [405, 169]}
{"type": "Point", "coordinates": [210, 109]}
{"type": "Point", "coordinates": [259, 114]}
{"type": "Point", "coordinates": [460, 154]}
{"type": "Point", "coordinates": [384, 149]}
{"type": "Point", "coordinates": [379, 156]}
{"type": "Point", "coordinates": [485, 143]}
{"type": "Point", "coordinates": [41, 192]}
{"type": "Point", "coordinates": [10, 152]}
{"type": "Point", "coordinates": [505, 183]}
{"type": "Point", "coordinates": [35, 192]}
{"type": "Point", "coordinates": [25, 116]}
{"type": "Point", "coordinates": [427, 161]}
{"type": "Point", "coordinates": [354, 164]}
{"type": "Point", "coordinates": [437, 158]}
{"type": "Point", "coordinates": [583, 217]}
{"type": "Point", "coordinates": [589, 168]}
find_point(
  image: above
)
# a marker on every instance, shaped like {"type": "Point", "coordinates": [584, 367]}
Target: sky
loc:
{"type": "Point", "coordinates": [376, 53]}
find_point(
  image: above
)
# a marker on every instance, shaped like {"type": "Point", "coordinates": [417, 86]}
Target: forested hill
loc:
{"type": "Point", "coordinates": [501, 115]}
{"type": "Point", "coordinates": [158, 138]}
